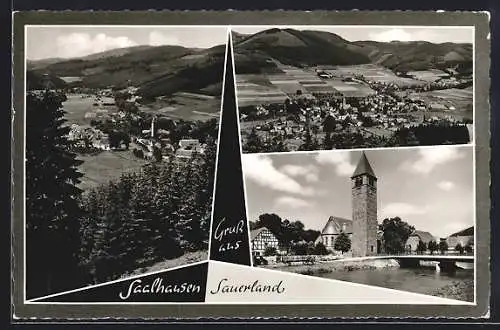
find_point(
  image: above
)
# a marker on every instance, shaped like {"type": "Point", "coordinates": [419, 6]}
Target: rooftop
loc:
{"type": "Point", "coordinates": [363, 167]}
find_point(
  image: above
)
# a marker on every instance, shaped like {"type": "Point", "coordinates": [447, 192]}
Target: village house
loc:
{"type": "Point", "coordinates": [188, 147]}
{"type": "Point", "coordinates": [261, 239]}
{"type": "Point", "coordinates": [416, 237]}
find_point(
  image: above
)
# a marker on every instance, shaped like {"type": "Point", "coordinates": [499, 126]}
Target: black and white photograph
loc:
{"type": "Point", "coordinates": [312, 88]}
{"type": "Point", "coordinates": [288, 165]}
{"type": "Point", "coordinates": [395, 218]}
{"type": "Point", "coordinates": [121, 132]}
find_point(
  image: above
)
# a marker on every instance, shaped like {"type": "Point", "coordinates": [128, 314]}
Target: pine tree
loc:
{"type": "Point", "coordinates": [52, 209]}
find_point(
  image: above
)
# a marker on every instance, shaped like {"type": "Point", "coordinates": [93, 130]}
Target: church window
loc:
{"type": "Point", "coordinates": [371, 181]}
{"type": "Point", "coordinates": [371, 246]}
{"type": "Point", "coordinates": [358, 182]}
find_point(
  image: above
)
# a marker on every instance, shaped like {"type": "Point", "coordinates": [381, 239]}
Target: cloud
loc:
{"type": "Point", "coordinates": [341, 160]}
{"type": "Point", "coordinates": [309, 172]}
{"type": "Point", "coordinates": [399, 34]}
{"type": "Point", "coordinates": [292, 202]}
{"type": "Point", "coordinates": [81, 44]}
{"type": "Point", "coordinates": [446, 185]}
{"type": "Point", "coordinates": [390, 35]}
{"type": "Point", "coordinates": [157, 38]}
{"type": "Point", "coordinates": [401, 210]}
{"type": "Point", "coordinates": [261, 170]}
{"type": "Point", "coordinates": [429, 158]}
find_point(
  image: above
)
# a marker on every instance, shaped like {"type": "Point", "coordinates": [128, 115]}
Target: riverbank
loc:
{"type": "Point", "coordinates": [463, 290]}
{"type": "Point", "coordinates": [335, 266]}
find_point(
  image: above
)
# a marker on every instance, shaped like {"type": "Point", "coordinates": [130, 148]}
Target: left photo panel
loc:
{"type": "Point", "coordinates": [121, 132]}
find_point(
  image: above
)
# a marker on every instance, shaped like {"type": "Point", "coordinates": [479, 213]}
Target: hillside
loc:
{"type": "Point", "coordinates": [297, 48]}
{"type": "Point", "coordinates": [35, 80]}
{"type": "Point", "coordinates": [466, 232]}
{"type": "Point", "coordinates": [309, 48]}
{"type": "Point", "coordinates": [160, 70]}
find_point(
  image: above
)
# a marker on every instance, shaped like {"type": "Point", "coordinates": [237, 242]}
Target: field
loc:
{"type": "Point", "coordinates": [276, 88]}
{"type": "Point", "coordinates": [105, 166]}
{"type": "Point", "coordinates": [458, 102]}
{"type": "Point", "coordinates": [77, 107]}
{"type": "Point", "coordinates": [187, 106]}
{"type": "Point", "coordinates": [374, 73]}
{"type": "Point", "coordinates": [428, 75]}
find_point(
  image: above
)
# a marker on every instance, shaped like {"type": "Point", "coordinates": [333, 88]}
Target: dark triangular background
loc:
{"type": "Point", "coordinates": [229, 202]}
{"type": "Point", "coordinates": [196, 274]}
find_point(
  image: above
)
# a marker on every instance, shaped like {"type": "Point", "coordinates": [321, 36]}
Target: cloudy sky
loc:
{"type": "Point", "coordinates": [430, 188]}
{"type": "Point", "coordinates": [384, 33]}
{"type": "Point", "coordinates": [75, 41]}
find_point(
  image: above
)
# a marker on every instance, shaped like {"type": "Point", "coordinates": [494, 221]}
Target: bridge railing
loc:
{"type": "Point", "coordinates": [427, 253]}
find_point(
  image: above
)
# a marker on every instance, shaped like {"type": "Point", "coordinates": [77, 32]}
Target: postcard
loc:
{"type": "Point", "coordinates": [207, 165]}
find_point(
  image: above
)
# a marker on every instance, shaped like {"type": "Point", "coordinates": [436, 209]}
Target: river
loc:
{"type": "Point", "coordinates": [456, 285]}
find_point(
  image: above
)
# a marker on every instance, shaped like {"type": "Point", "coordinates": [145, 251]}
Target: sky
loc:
{"type": "Point", "coordinates": [430, 188]}
{"type": "Point", "coordinates": [75, 41]}
{"type": "Point", "coordinates": [384, 33]}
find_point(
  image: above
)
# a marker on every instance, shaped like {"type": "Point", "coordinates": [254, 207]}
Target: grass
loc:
{"type": "Point", "coordinates": [105, 166]}
{"type": "Point", "coordinates": [186, 259]}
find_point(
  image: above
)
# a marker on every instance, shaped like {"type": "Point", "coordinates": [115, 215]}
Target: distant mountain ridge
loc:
{"type": "Point", "coordinates": [156, 70]}
{"type": "Point", "coordinates": [309, 48]}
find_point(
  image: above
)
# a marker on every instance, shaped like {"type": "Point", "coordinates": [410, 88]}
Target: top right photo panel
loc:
{"type": "Point", "coordinates": [306, 88]}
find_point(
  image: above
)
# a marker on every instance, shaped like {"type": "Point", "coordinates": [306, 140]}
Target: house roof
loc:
{"type": "Point", "coordinates": [335, 225]}
{"type": "Point", "coordinates": [363, 167]}
{"type": "Point", "coordinates": [254, 233]}
{"type": "Point", "coordinates": [424, 236]}
{"type": "Point", "coordinates": [466, 232]}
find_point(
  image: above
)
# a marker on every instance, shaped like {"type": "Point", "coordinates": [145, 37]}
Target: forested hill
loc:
{"type": "Point", "coordinates": [309, 48]}
{"type": "Point", "coordinates": [159, 70]}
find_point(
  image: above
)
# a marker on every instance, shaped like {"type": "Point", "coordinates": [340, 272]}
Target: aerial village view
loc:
{"type": "Point", "coordinates": [128, 117]}
{"type": "Point", "coordinates": [317, 89]}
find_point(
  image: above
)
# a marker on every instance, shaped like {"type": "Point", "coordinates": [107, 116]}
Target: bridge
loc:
{"type": "Point", "coordinates": [443, 261]}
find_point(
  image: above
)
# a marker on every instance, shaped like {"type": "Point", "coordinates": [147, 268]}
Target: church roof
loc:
{"type": "Point", "coordinates": [363, 167]}
{"type": "Point", "coordinates": [336, 225]}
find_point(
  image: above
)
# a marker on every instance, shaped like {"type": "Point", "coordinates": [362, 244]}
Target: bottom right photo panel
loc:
{"type": "Point", "coordinates": [401, 219]}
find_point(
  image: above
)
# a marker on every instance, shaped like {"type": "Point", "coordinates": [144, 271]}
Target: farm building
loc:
{"type": "Point", "coordinates": [261, 239]}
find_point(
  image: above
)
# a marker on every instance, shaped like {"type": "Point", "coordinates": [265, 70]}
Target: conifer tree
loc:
{"type": "Point", "coordinates": [52, 210]}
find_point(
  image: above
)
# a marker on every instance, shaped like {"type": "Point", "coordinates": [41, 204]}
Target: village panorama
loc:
{"type": "Point", "coordinates": [312, 89]}
{"type": "Point", "coordinates": [121, 136]}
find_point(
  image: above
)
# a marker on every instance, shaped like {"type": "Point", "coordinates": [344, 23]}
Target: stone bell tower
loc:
{"type": "Point", "coordinates": [364, 209]}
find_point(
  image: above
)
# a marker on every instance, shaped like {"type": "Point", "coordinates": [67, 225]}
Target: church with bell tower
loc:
{"type": "Point", "coordinates": [363, 228]}
{"type": "Point", "coordinates": [364, 209]}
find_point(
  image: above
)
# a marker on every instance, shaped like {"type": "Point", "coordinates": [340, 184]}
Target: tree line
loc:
{"type": "Point", "coordinates": [75, 238]}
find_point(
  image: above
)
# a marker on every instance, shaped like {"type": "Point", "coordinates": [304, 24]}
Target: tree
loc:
{"type": "Point", "coordinates": [157, 154]}
{"type": "Point", "coordinates": [310, 143]}
{"type": "Point", "coordinates": [421, 247]}
{"type": "Point", "coordinates": [270, 251]}
{"type": "Point", "coordinates": [459, 248]}
{"type": "Point", "coordinates": [433, 246]}
{"type": "Point", "coordinates": [396, 233]}
{"type": "Point", "coordinates": [443, 246]}
{"type": "Point", "coordinates": [320, 249]}
{"type": "Point", "coordinates": [469, 247]}
{"type": "Point", "coordinates": [329, 124]}
{"type": "Point", "coordinates": [253, 143]}
{"type": "Point", "coordinates": [52, 209]}
{"type": "Point", "coordinates": [342, 243]}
